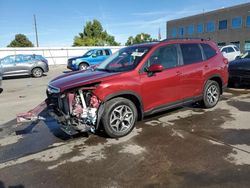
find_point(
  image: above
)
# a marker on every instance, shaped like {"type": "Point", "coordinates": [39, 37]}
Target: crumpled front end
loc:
{"type": "Point", "coordinates": [76, 111]}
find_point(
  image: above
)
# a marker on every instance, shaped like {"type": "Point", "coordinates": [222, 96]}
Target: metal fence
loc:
{"type": "Point", "coordinates": [54, 55]}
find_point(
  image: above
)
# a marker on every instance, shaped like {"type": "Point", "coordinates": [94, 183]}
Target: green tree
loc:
{"type": "Point", "coordinates": [139, 38]}
{"type": "Point", "coordinates": [94, 35]}
{"type": "Point", "coordinates": [20, 41]}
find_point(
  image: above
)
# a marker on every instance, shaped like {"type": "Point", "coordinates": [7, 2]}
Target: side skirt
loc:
{"type": "Point", "coordinates": [172, 105]}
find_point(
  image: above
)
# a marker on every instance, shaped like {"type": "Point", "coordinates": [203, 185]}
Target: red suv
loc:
{"type": "Point", "coordinates": [137, 81]}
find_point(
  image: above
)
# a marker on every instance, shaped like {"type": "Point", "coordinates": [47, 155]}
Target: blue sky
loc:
{"type": "Point", "coordinates": [59, 21]}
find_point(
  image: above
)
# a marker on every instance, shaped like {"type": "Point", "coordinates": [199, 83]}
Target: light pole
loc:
{"type": "Point", "coordinates": [37, 44]}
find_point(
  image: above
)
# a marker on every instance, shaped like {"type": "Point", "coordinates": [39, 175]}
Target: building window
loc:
{"type": "Point", "coordinates": [222, 24]}
{"type": "Point", "coordinates": [248, 21]}
{"type": "Point", "coordinates": [211, 26]}
{"type": "Point", "coordinates": [181, 31]}
{"type": "Point", "coordinates": [174, 32]}
{"type": "Point", "coordinates": [236, 22]}
{"type": "Point", "coordinates": [247, 45]}
{"type": "Point", "coordinates": [200, 28]}
{"type": "Point", "coordinates": [190, 29]}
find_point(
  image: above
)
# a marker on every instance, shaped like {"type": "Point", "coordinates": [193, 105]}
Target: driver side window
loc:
{"type": "Point", "coordinates": [166, 56]}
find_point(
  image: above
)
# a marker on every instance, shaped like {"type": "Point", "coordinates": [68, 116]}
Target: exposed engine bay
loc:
{"type": "Point", "coordinates": [76, 111]}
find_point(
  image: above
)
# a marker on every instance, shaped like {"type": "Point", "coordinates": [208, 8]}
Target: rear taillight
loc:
{"type": "Point", "coordinates": [225, 60]}
{"type": "Point", "coordinates": [45, 61]}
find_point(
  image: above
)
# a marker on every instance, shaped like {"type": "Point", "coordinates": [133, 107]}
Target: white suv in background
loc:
{"type": "Point", "coordinates": [231, 52]}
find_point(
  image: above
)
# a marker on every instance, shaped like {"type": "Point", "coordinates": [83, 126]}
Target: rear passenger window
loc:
{"type": "Point", "coordinates": [107, 52]}
{"type": "Point", "coordinates": [208, 51]}
{"type": "Point", "coordinates": [191, 53]}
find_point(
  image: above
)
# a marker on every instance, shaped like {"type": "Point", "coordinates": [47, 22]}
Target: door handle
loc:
{"type": "Point", "coordinates": [206, 66]}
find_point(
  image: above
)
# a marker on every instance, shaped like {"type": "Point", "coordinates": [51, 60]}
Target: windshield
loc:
{"type": "Point", "coordinates": [124, 60]}
{"type": "Point", "coordinates": [88, 53]}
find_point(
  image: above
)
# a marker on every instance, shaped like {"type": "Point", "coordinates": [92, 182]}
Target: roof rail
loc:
{"type": "Point", "coordinates": [185, 38]}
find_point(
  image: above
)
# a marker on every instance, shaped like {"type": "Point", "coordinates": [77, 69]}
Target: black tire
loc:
{"type": "Point", "coordinates": [124, 121]}
{"type": "Point", "coordinates": [83, 66]}
{"type": "Point", "coordinates": [211, 94]}
{"type": "Point", "coordinates": [37, 72]}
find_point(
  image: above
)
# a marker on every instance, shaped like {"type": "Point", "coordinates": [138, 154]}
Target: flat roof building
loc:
{"type": "Point", "coordinates": [225, 26]}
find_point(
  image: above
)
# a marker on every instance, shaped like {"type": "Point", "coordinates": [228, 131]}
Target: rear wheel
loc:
{"type": "Point", "coordinates": [211, 94]}
{"type": "Point", "coordinates": [120, 117]}
{"type": "Point", "coordinates": [37, 72]}
{"type": "Point", "coordinates": [83, 66]}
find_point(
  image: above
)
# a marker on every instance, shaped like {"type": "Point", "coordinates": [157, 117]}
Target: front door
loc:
{"type": "Point", "coordinates": [161, 88]}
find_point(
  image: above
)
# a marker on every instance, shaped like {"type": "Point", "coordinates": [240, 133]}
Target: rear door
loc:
{"type": "Point", "coordinates": [23, 62]}
{"type": "Point", "coordinates": [162, 88]}
{"type": "Point", "coordinates": [191, 72]}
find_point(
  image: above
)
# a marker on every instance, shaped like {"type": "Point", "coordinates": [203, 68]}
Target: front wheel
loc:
{"type": "Point", "coordinates": [119, 117]}
{"type": "Point", "coordinates": [83, 66]}
{"type": "Point", "coordinates": [211, 94]}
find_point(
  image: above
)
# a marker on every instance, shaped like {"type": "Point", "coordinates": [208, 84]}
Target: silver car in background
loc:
{"type": "Point", "coordinates": [17, 65]}
{"type": "Point", "coordinates": [1, 78]}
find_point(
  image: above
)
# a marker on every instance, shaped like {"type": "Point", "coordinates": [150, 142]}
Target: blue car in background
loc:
{"type": "Point", "coordinates": [90, 58]}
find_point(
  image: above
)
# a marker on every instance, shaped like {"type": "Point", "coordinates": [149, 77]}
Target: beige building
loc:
{"type": "Point", "coordinates": [225, 26]}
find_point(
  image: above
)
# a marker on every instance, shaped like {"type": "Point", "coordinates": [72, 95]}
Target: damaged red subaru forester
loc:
{"type": "Point", "coordinates": [136, 81]}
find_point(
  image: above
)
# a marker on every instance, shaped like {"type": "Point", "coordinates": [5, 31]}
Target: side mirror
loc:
{"type": "Point", "coordinates": [224, 54]}
{"type": "Point", "coordinates": [155, 68]}
{"type": "Point", "coordinates": [94, 55]}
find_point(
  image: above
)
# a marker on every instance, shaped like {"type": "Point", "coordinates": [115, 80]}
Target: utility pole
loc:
{"type": "Point", "coordinates": [37, 44]}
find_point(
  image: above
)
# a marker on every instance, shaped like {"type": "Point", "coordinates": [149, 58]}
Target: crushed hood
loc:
{"type": "Point", "coordinates": [78, 79]}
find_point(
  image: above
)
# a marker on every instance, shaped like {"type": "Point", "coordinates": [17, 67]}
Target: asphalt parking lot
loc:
{"type": "Point", "coordinates": [184, 147]}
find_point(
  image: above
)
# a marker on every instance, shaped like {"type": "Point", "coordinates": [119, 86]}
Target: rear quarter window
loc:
{"type": "Point", "coordinates": [208, 51]}
{"type": "Point", "coordinates": [191, 53]}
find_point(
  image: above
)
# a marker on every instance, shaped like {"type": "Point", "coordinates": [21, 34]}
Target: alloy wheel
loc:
{"type": "Point", "coordinates": [212, 95]}
{"type": "Point", "coordinates": [121, 118]}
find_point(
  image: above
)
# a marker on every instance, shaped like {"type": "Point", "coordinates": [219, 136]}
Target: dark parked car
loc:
{"type": "Point", "coordinates": [137, 81]}
{"type": "Point", "coordinates": [90, 58]}
{"type": "Point", "coordinates": [239, 71]}
{"type": "Point", "coordinates": [17, 65]}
